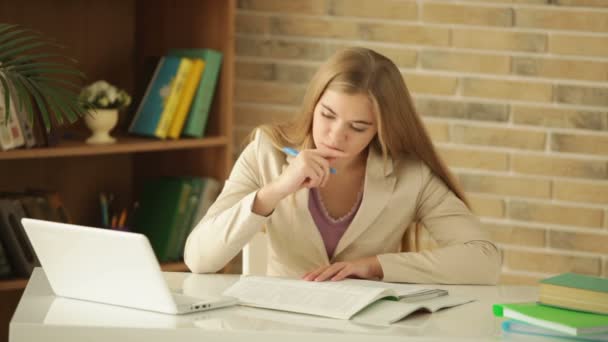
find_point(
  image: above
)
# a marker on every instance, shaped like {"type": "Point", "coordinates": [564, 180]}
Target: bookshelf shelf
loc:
{"type": "Point", "coordinates": [174, 267]}
{"type": "Point", "coordinates": [13, 284]}
{"type": "Point", "coordinates": [124, 144]}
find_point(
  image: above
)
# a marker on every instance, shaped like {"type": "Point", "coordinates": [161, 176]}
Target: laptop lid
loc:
{"type": "Point", "coordinates": [100, 265]}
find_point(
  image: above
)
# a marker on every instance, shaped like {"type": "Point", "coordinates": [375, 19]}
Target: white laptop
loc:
{"type": "Point", "coordinates": [108, 266]}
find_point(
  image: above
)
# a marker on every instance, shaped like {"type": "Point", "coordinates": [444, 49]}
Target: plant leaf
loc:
{"type": "Point", "coordinates": [39, 102]}
{"type": "Point", "coordinates": [7, 27]}
{"type": "Point", "coordinates": [8, 35]}
{"type": "Point", "coordinates": [18, 42]}
{"type": "Point", "coordinates": [7, 98]}
{"type": "Point", "coordinates": [24, 99]}
{"type": "Point", "coordinates": [8, 54]}
{"type": "Point", "coordinates": [40, 80]}
{"type": "Point", "coordinates": [66, 102]}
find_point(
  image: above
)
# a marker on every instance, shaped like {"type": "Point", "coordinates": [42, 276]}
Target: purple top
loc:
{"type": "Point", "coordinates": [331, 229]}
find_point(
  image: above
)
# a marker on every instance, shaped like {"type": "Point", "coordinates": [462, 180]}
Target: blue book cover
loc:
{"type": "Point", "coordinates": [517, 327]}
{"type": "Point", "coordinates": [151, 107]}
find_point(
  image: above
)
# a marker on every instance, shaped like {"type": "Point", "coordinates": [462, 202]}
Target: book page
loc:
{"type": "Point", "coordinates": [329, 299]}
{"type": "Point", "coordinates": [402, 290]}
{"type": "Point", "coordinates": [385, 312]}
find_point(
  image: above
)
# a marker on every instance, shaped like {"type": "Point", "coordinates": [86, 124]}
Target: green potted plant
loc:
{"type": "Point", "coordinates": [39, 79]}
{"type": "Point", "coordinates": [105, 100]}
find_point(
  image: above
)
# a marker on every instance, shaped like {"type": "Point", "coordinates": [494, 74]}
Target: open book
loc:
{"type": "Point", "coordinates": [340, 300]}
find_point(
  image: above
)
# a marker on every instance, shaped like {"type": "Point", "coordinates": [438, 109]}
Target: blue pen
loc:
{"type": "Point", "coordinates": [293, 152]}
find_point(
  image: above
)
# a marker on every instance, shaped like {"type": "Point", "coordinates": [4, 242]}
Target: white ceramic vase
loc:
{"type": "Point", "coordinates": [101, 122]}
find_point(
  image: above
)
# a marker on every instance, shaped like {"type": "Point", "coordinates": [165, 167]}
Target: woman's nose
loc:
{"type": "Point", "coordinates": [337, 133]}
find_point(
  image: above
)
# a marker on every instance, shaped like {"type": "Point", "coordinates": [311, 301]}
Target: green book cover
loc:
{"type": "Point", "coordinates": [162, 202]}
{"type": "Point", "coordinates": [579, 281]}
{"type": "Point", "coordinates": [196, 120]}
{"type": "Point", "coordinates": [182, 229]}
{"type": "Point", "coordinates": [567, 321]}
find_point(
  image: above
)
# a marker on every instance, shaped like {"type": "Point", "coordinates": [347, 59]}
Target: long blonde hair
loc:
{"type": "Point", "coordinates": [400, 129]}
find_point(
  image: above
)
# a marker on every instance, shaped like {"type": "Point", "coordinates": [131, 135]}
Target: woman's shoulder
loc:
{"type": "Point", "coordinates": [408, 164]}
{"type": "Point", "coordinates": [262, 142]}
{"type": "Point", "coordinates": [263, 150]}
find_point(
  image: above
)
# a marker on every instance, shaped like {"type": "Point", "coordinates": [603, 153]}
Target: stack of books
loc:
{"type": "Point", "coordinates": [570, 305]}
{"type": "Point", "coordinates": [17, 257]}
{"type": "Point", "coordinates": [179, 95]}
{"type": "Point", "coordinates": [170, 207]}
{"type": "Point", "coordinates": [16, 129]}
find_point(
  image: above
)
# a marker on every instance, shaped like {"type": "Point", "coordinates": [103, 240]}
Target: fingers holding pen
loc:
{"type": "Point", "coordinates": [309, 168]}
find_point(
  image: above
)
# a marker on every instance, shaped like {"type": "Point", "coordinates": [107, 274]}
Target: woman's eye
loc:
{"type": "Point", "coordinates": [329, 116]}
{"type": "Point", "coordinates": [358, 129]}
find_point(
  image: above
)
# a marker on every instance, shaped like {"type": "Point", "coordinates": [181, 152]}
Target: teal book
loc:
{"type": "Point", "coordinates": [198, 115]}
{"type": "Point", "coordinates": [575, 291]}
{"type": "Point", "coordinates": [182, 230]}
{"type": "Point", "coordinates": [574, 323]}
{"type": "Point", "coordinates": [150, 110]}
{"type": "Point", "coordinates": [162, 205]}
{"type": "Point", "coordinates": [511, 326]}
{"type": "Point", "coordinates": [579, 281]}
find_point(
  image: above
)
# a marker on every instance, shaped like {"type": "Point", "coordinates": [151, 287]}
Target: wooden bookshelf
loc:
{"type": "Point", "coordinates": [124, 144]}
{"type": "Point", "coordinates": [13, 284]}
{"type": "Point", "coordinates": [174, 267]}
{"type": "Point", "coordinates": [112, 40]}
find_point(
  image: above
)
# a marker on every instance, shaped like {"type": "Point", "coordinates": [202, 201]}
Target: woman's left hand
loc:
{"type": "Point", "coordinates": [366, 268]}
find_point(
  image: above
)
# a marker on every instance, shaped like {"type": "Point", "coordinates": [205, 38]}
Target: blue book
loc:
{"type": "Point", "coordinates": [517, 327]}
{"type": "Point", "coordinates": [150, 109]}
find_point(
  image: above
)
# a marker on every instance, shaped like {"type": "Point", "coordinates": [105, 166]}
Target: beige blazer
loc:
{"type": "Point", "coordinates": [395, 195]}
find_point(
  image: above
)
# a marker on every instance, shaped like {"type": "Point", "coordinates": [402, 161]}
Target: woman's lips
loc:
{"type": "Point", "coordinates": [332, 148]}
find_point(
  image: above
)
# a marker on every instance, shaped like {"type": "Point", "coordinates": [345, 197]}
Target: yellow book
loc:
{"type": "Point", "coordinates": [179, 118]}
{"type": "Point", "coordinates": [173, 99]}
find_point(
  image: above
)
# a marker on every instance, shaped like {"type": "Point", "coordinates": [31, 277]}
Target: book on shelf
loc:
{"type": "Point", "coordinates": [198, 114]}
{"type": "Point", "coordinates": [6, 270]}
{"type": "Point", "coordinates": [573, 323]}
{"type": "Point", "coordinates": [186, 98]}
{"type": "Point", "coordinates": [511, 326]}
{"type": "Point", "coordinates": [210, 189]}
{"type": "Point", "coordinates": [162, 210]}
{"type": "Point", "coordinates": [31, 203]}
{"type": "Point", "coordinates": [361, 300]}
{"type": "Point", "coordinates": [27, 128]}
{"type": "Point", "coordinates": [575, 291]}
{"type": "Point", "coordinates": [18, 249]}
{"type": "Point", "coordinates": [182, 229]}
{"type": "Point", "coordinates": [11, 135]}
{"type": "Point", "coordinates": [148, 114]}
{"type": "Point", "coordinates": [174, 98]}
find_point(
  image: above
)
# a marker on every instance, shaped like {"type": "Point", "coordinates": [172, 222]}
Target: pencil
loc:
{"type": "Point", "coordinates": [293, 152]}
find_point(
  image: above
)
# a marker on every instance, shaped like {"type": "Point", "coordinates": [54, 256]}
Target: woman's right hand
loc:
{"type": "Point", "coordinates": [309, 169]}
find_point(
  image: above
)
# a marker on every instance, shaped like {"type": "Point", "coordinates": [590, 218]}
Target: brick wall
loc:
{"type": "Point", "coordinates": [514, 93]}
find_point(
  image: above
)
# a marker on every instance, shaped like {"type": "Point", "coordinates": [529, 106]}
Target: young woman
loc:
{"type": "Point", "coordinates": [362, 169]}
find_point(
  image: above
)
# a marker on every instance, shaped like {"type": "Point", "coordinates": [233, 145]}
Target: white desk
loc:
{"type": "Point", "coordinates": [40, 316]}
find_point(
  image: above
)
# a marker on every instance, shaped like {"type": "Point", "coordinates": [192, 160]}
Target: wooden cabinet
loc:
{"type": "Point", "coordinates": [112, 39]}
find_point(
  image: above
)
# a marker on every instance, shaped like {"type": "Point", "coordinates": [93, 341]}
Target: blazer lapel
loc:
{"type": "Point", "coordinates": [303, 220]}
{"type": "Point", "coordinates": [377, 191]}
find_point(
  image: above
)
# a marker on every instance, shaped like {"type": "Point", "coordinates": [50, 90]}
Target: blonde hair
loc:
{"type": "Point", "coordinates": [400, 129]}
